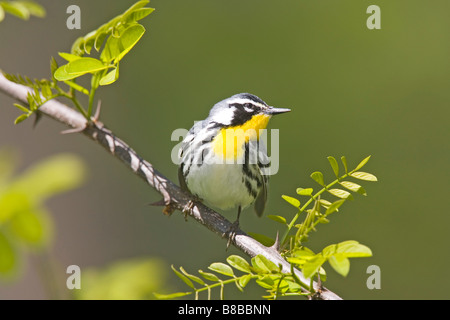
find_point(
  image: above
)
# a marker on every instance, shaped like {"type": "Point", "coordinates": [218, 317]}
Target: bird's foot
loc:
{"type": "Point", "coordinates": [231, 233]}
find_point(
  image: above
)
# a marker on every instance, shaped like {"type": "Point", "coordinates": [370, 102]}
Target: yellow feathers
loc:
{"type": "Point", "coordinates": [228, 143]}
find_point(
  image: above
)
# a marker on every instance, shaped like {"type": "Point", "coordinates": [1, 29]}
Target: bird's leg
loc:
{"type": "Point", "coordinates": [231, 232]}
{"type": "Point", "coordinates": [190, 205]}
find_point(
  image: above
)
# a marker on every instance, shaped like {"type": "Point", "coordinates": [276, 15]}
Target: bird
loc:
{"type": "Point", "coordinates": [222, 159]}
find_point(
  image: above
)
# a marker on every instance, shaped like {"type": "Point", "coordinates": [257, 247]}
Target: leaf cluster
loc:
{"type": "Point", "coordinates": [341, 188]}
{"type": "Point", "coordinates": [118, 36]}
{"type": "Point", "coordinates": [24, 219]}
{"type": "Point", "coordinates": [111, 42]}
{"type": "Point", "coordinates": [316, 210]}
{"type": "Point", "coordinates": [261, 270]}
{"type": "Point", "coordinates": [21, 9]}
{"type": "Point", "coordinates": [41, 91]}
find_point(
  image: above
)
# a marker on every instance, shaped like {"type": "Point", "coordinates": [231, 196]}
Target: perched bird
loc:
{"type": "Point", "coordinates": [223, 161]}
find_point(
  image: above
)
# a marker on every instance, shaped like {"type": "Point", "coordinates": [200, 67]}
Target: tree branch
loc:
{"type": "Point", "coordinates": [173, 197]}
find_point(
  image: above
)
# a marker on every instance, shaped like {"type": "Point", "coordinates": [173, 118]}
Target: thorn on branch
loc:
{"type": "Point", "coordinates": [74, 130]}
{"type": "Point", "coordinates": [37, 118]}
{"type": "Point", "coordinates": [97, 112]}
{"type": "Point", "coordinates": [276, 245]}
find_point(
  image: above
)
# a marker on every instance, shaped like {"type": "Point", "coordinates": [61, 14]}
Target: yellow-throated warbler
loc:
{"type": "Point", "coordinates": [222, 159]}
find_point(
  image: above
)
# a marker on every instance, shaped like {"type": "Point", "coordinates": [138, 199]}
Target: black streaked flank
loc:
{"type": "Point", "coordinates": [250, 189]}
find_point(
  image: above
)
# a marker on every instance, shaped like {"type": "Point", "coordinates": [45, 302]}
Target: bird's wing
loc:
{"type": "Point", "coordinates": [263, 162]}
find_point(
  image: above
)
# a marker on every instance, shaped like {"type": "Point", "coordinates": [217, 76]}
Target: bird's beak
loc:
{"type": "Point", "coordinates": [273, 111]}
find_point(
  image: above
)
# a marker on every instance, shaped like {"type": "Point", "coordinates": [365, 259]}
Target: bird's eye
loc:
{"type": "Point", "coordinates": [248, 105]}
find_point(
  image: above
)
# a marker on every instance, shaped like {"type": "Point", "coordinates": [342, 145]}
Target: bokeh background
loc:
{"type": "Point", "coordinates": [353, 92]}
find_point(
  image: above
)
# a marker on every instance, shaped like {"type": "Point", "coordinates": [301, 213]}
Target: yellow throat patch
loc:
{"type": "Point", "coordinates": [229, 141]}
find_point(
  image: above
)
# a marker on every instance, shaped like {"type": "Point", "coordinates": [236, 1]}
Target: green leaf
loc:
{"type": "Point", "coordinates": [334, 165]}
{"type": "Point", "coordinates": [265, 282]}
{"type": "Point", "coordinates": [353, 249]}
{"type": "Point", "coordinates": [334, 206]}
{"type": "Point", "coordinates": [239, 263]}
{"type": "Point", "coordinates": [17, 9]}
{"type": "Point", "coordinates": [21, 118]}
{"type": "Point", "coordinates": [116, 48]}
{"type": "Point", "coordinates": [353, 187]}
{"type": "Point", "coordinates": [318, 177]}
{"type": "Point", "coordinates": [265, 264]}
{"type": "Point", "coordinates": [77, 87]}
{"type": "Point", "coordinates": [298, 261]}
{"type": "Point", "coordinates": [209, 276]}
{"type": "Point", "coordinates": [364, 176]}
{"type": "Point", "coordinates": [329, 250]}
{"type": "Point", "coordinates": [31, 227]}
{"type": "Point", "coordinates": [340, 264]}
{"type": "Point", "coordinates": [137, 15]}
{"type": "Point", "coordinates": [76, 47]}
{"type": "Point", "coordinates": [21, 108]}
{"type": "Point", "coordinates": [110, 77]}
{"type": "Point", "coordinates": [361, 164]}
{"type": "Point", "coordinates": [313, 265]}
{"type": "Point", "coordinates": [303, 252]}
{"type": "Point", "coordinates": [136, 6]}
{"type": "Point", "coordinates": [344, 162]}
{"type": "Point", "coordinates": [276, 218]}
{"type": "Point", "coordinates": [171, 295]}
{"type": "Point", "coordinates": [192, 277]}
{"type": "Point", "coordinates": [46, 91]}
{"type": "Point", "coordinates": [341, 193]}
{"type": "Point", "coordinates": [244, 280]}
{"type": "Point", "coordinates": [61, 74]}
{"type": "Point", "coordinates": [69, 57]}
{"type": "Point", "coordinates": [183, 277]}
{"type": "Point", "coordinates": [292, 201]}
{"type": "Point", "coordinates": [53, 67]}
{"type": "Point", "coordinates": [325, 203]}
{"type": "Point", "coordinates": [128, 40]}
{"type": "Point", "coordinates": [2, 13]}
{"type": "Point", "coordinates": [12, 202]}
{"type": "Point", "coordinates": [304, 192]}
{"type": "Point", "coordinates": [79, 67]}
{"type": "Point", "coordinates": [221, 268]}
{"type": "Point", "coordinates": [100, 39]}
{"type": "Point", "coordinates": [7, 256]}
{"type": "Point", "coordinates": [34, 8]}
{"type": "Point", "coordinates": [85, 65]}
{"type": "Point", "coordinates": [89, 41]}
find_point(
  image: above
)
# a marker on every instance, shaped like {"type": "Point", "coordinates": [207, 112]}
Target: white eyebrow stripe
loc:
{"type": "Point", "coordinates": [243, 101]}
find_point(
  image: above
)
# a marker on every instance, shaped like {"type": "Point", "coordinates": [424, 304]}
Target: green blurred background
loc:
{"type": "Point", "coordinates": [352, 91]}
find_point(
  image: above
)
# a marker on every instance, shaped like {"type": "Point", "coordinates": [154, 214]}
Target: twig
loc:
{"type": "Point", "coordinates": [173, 197]}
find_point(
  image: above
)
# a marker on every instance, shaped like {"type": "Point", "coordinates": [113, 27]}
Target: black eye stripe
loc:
{"type": "Point", "coordinates": [241, 115]}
